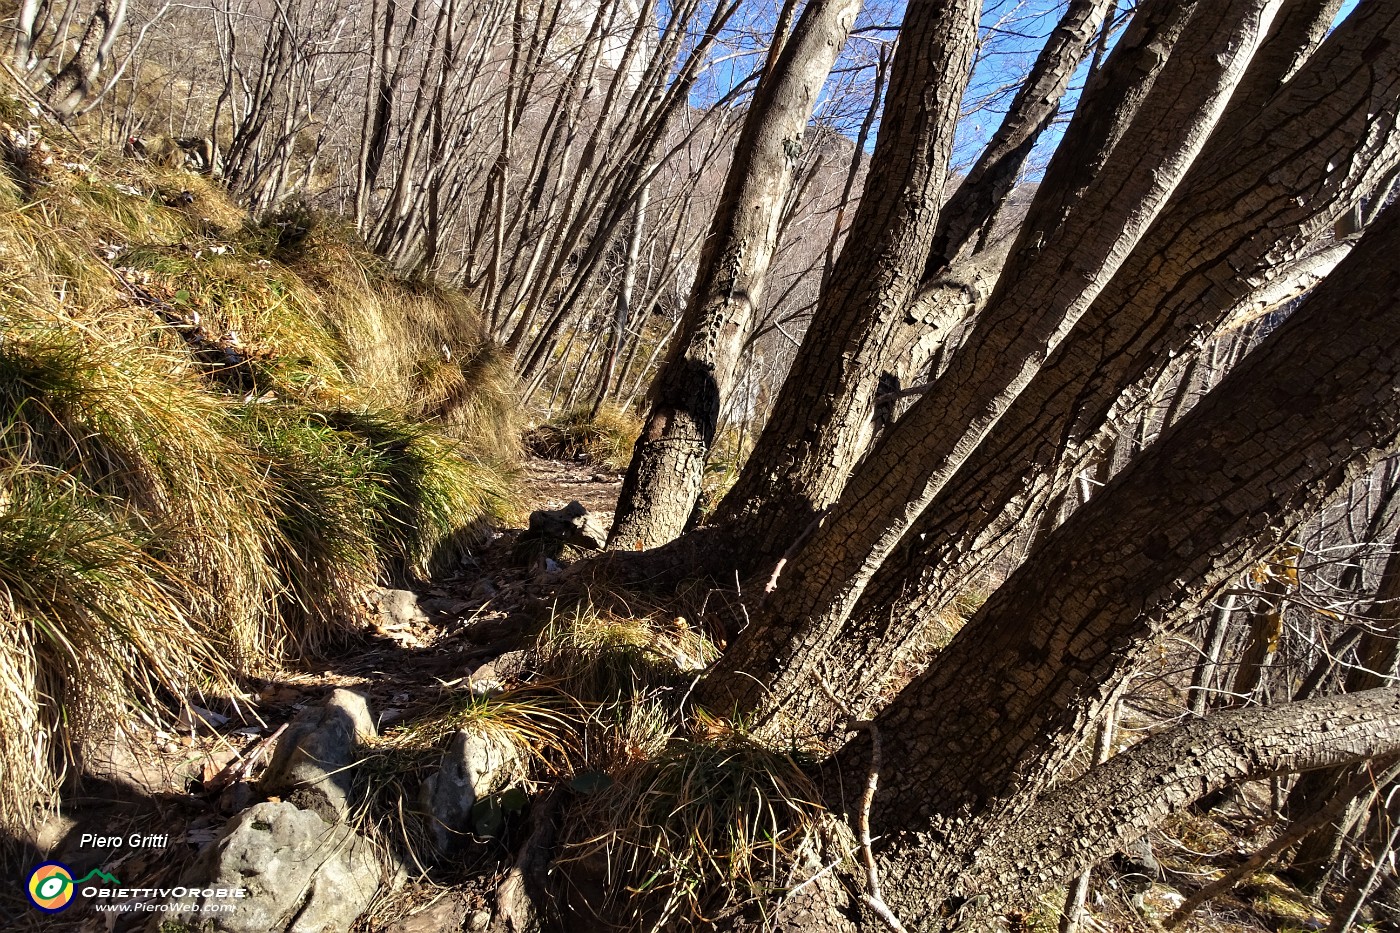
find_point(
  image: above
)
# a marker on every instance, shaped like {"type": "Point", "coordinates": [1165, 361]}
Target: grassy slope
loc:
{"type": "Point", "coordinates": [213, 438]}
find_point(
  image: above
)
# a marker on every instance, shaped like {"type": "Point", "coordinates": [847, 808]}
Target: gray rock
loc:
{"type": "Point", "coordinates": [400, 607]}
{"type": "Point", "coordinates": [1137, 867]}
{"type": "Point", "coordinates": [572, 525]}
{"type": "Point", "coordinates": [475, 764]}
{"type": "Point", "coordinates": [300, 875]}
{"type": "Point", "coordinates": [490, 678]}
{"type": "Point", "coordinates": [314, 760]}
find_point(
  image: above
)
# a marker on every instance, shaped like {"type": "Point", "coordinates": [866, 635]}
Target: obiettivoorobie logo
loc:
{"type": "Point", "coordinates": [51, 885]}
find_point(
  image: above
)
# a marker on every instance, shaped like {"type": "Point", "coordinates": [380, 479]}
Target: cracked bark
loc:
{"type": "Point", "coordinates": [1108, 180]}
{"type": "Point", "coordinates": [1176, 287]}
{"type": "Point", "coordinates": [811, 441]}
{"type": "Point", "coordinates": [664, 477]}
{"type": "Point", "coordinates": [983, 732]}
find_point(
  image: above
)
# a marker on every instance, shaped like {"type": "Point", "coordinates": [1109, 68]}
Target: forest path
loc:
{"type": "Point", "coordinates": [419, 649]}
{"type": "Point", "coordinates": [552, 484]}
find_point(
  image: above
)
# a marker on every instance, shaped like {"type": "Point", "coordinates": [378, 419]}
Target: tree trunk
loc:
{"type": "Point", "coordinates": [1035, 304]}
{"type": "Point", "coordinates": [986, 729]}
{"type": "Point", "coordinates": [623, 309]}
{"type": "Point", "coordinates": [663, 479]}
{"type": "Point", "coordinates": [1204, 677]}
{"type": "Point", "coordinates": [1179, 282]}
{"type": "Point", "coordinates": [972, 210]}
{"type": "Point", "coordinates": [819, 426]}
{"type": "Point", "coordinates": [1112, 805]}
{"type": "Point", "coordinates": [814, 434]}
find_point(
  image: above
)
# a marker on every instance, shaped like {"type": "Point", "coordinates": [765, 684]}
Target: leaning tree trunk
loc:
{"type": "Point", "coordinates": [1175, 287]}
{"type": "Point", "coordinates": [859, 331]}
{"type": "Point", "coordinates": [874, 276]}
{"type": "Point", "coordinates": [983, 733]}
{"type": "Point", "coordinates": [1137, 167]}
{"type": "Point", "coordinates": [663, 479]}
{"type": "Point", "coordinates": [819, 423]}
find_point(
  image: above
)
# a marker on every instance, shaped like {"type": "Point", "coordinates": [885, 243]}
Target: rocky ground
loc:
{"type": "Point", "coordinates": [174, 793]}
{"type": "Point", "coordinates": [258, 793]}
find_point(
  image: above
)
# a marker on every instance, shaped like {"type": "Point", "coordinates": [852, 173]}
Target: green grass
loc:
{"type": "Point", "coordinates": [94, 625]}
{"type": "Point", "coordinates": [166, 532]}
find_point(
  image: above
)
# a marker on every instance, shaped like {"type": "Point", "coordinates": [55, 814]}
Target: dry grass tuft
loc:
{"type": "Point", "coordinates": [676, 814]}
{"type": "Point", "coordinates": [707, 823]}
{"type": "Point", "coordinates": [604, 441]}
{"type": "Point", "coordinates": [536, 724]}
{"type": "Point", "coordinates": [211, 443]}
{"type": "Point", "coordinates": [92, 624]}
{"type": "Point", "coordinates": [602, 657]}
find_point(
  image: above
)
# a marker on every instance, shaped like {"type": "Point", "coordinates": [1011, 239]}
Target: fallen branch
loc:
{"type": "Point", "coordinates": [240, 768]}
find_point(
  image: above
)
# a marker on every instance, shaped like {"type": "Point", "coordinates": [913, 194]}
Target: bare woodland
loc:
{"type": "Point", "coordinates": [1085, 418]}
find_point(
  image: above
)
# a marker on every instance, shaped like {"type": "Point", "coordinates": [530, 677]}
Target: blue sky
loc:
{"type": "Point", "coordinates": [1012, 34]}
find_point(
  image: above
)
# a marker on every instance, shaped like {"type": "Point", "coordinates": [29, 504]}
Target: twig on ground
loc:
{"type": "Point", "coordinates": [873, 898]}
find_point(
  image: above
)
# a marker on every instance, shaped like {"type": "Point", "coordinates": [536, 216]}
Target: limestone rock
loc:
{"type": "Point", "coordinates": [474, 765]}
{"type": "Point", "coordinates": [312, 765]}
{"type": "Point", "coordinates": [300, 874]}
{"type": "Point", "coordinates": [400, 607]}
{"type": "Point", "coordinates": [573, 525]}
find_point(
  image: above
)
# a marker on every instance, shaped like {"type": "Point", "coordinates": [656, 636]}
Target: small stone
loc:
{"type": "Point", "coordinates": [313, 761]}
{"type": "Point", "coordinates": [479, 921]}
{"type": "Point", "coordinates": [474, 765]}
{"type": "Point", "coordinates": [446, 606]}
{"type": "Point", "coordinates": [572, 525]}
{"type": "Point", "coordinates": [400, 607]}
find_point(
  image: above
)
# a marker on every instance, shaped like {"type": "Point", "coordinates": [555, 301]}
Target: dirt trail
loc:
{"type": "Point", "coordinates": [403, 663]}
{"type": "Point", "coordinates": [553, 483]}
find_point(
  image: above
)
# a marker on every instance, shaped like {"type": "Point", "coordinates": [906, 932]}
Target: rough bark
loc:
{"type": "Point", "coordinates": [75, 84]}
{"type": "Point", "coordinates": [663, 479]}
{"type": "Point", "coordinates": [1175, 288]}
{"type": "Point", "coordinates": [1070, 247]}
{"type": "Point", "coordinates": [1297, 31]}
{"type": "Point", "coordinates": [964, 263]}
{"type": "Point", "coordinates": [995, 718]}
{"type": "Point", "coordinates": [1008, 860]}
{"type": "Point", "coordinates": [809, 444]}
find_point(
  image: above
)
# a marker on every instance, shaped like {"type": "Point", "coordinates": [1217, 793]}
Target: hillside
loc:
{"type": "Point", "coordinates": [215, 437]}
